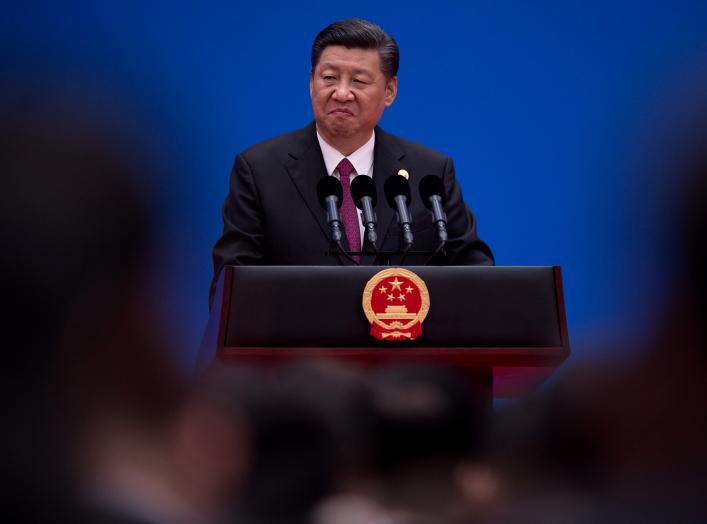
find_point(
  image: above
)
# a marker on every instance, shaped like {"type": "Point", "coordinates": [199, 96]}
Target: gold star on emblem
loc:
{"type": "Point", "coordinates": [391, 297]}
{"type": "Point", "coordinates": [408, 289]}
{"type": "Point", "coordinates": [383, 289]}
{"type": "Point", "coordinates": [401, 297]}
{"type": "Point", "coordinates": [396, 284]}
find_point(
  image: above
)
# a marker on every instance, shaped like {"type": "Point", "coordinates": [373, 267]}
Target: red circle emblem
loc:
{"type": "Point", "coordinates": [396, 302]}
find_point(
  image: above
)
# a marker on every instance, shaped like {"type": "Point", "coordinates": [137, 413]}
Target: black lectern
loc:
{"type": "Point", "coordinates": [507, 319]}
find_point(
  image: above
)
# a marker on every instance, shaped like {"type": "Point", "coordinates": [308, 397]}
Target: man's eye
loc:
{"type": "Point", "coordinates": [359, 81]}
{"type": "Point", "coordinates": [329, 77]}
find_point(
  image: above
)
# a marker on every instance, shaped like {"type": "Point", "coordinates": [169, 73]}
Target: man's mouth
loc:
{"type": "Point", "coordinates": [341, 111]}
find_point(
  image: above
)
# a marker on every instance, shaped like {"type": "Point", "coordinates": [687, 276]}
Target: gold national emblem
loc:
{"type": "Point", "coordinates": [396, 302]}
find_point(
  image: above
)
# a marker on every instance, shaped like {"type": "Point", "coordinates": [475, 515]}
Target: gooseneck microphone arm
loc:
{"type": "Point", "coordinates": [333, 219]}
{"type": "Point", "coordinates": [369, 221]}
{"type": "Point", "coordinates": [365, 196]}
{"type": "Point", "coordinates": [330, 198]}
{"type": "Point", "coordinates": [404, 220]}
{"type": "Point", "coordinates": [439, 218]}
{"type": "Point", "coordinates": [397, 193]}
{"type": "Point", "coordinates": [432, 195]}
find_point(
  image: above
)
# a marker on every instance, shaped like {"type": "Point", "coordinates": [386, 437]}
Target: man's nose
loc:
{"type": "Point", "coordinates": [343, 92]}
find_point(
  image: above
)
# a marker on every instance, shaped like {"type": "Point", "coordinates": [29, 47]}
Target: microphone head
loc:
{"type": "Point", "coordinates": [394, 186]}
{"type": "Point", "coordinates": [431, 185]}
{"type": "Point", "coordinates": [363, 186]}
{"type": "Point", "coordinates": [328, 186]}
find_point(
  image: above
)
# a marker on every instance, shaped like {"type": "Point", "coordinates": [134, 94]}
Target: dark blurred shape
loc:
{"type": "Point", "coordinates": [83, 350]}
{"type": "Point", "coordinates": [693, 237]}
{"type": "Point", "coordinates": [624, 439]}
{"type": "Point", "coordinates": [73, 218]}
{"type": "Point", "coordinates": [427, 422]}
{"type": "Point", "coordinates": [423, 414]}
{"type": "Point", "coordinates": [300, 417]}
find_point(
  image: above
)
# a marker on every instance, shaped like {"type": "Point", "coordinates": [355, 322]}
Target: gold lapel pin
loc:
{"type": "Point", "coordinates": [403, 173]}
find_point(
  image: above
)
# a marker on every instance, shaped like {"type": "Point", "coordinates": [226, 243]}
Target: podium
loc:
{"type": "Point", "coordinates": [509, 320]}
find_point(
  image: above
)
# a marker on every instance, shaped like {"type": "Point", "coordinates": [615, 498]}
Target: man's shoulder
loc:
{"type": "Point", "coordinates": [294, 141]}
{"type": "Point", "coordinates": [409, 147]}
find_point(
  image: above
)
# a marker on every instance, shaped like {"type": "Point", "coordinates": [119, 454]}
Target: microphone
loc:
{"type": "Point", "coordinates": [365, 196]}
{"type": "Point", "coordinates": [432, 194]}
{"type": "Point", "coordinates": [330, 198]}
{"type": "Point", "coordinates": [397, 193]}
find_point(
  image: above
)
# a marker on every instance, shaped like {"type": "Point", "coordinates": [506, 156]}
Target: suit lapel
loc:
{"type": "Point", "coordinates": [305, 165]}
{"type": "Point", "coordinates": [387, 159]}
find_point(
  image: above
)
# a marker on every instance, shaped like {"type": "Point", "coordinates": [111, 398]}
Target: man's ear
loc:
{"type": "Point", "coordinates": [391, 91]}
{"type": "Point", "coordinates": [311, 82]}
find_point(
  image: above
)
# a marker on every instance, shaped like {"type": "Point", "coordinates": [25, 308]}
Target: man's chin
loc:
{"type": "Point", "coordinates": [339, 129]}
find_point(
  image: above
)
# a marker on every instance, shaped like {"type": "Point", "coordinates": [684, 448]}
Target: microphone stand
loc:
{"type": "Point", "coordinates": [440, 248]}
{"type": "Point", "coordinates": [383, 257]}
{"type": "Point", "coordinates": [349, 255]}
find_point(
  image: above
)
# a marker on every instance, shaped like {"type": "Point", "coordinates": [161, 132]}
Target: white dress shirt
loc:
{"type": "Point", "coordinates": [361, 159]}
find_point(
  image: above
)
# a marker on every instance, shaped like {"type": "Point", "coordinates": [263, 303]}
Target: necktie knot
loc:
{"type": "Point", "coordinates": [345, 168]}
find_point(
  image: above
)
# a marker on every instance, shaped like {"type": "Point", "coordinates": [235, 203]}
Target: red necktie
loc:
{"type": "Point", "coordinates": [349, 214]}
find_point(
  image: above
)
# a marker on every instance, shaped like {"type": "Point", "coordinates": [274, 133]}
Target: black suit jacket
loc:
{"type": "Point", "coordinates": [272, 214]}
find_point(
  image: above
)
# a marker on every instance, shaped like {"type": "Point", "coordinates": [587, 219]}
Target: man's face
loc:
{"type": "Point", "coordinates": [349, 93]}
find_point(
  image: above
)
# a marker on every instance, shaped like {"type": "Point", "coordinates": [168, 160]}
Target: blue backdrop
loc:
{"type": "Point", "coordinates": [544, 106]}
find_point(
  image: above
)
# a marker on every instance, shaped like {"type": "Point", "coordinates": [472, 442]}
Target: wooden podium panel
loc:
{"type": "Point", "coordinates": [509, 319]}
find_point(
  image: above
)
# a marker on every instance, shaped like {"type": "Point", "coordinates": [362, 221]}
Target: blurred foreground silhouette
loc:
{"type": "Point", "coordinates": [101, 424]}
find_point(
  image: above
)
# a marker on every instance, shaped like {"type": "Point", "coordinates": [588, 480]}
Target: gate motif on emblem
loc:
{"type": "Point", "coordinates": [396, 302]}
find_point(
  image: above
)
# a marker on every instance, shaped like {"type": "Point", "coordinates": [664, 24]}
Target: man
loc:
{"type": "Point", "coordinates": [272, 214]}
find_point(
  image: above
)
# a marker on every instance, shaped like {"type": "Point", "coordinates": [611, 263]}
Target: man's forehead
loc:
{"type": "Point", "coordinates": [354, 58]}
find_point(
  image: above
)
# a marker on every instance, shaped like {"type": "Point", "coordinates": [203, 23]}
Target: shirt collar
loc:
{"type": "Point", "coordinates": [362, 158]}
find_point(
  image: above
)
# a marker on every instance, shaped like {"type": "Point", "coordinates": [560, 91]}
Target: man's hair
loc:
{"type": "Point", "coordinates": [359, 34]}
